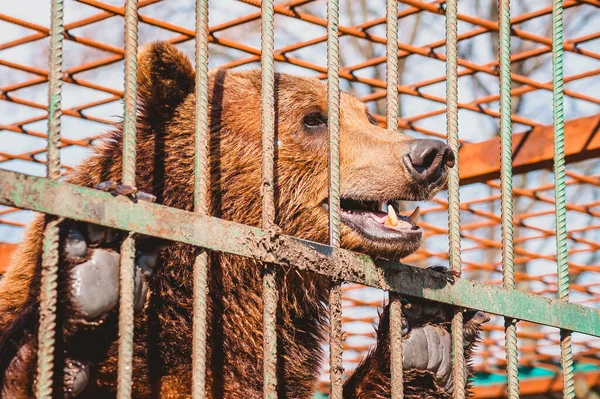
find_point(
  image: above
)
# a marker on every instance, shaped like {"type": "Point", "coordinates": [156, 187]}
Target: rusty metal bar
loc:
{"type": "Point", "coordinates": [40, 194]}
{"type": "Point", "coordinates": [508, 256]}
{"type": "Point", "coordinates": [392, 106]}
{"type": "Point", "coordinates": [49, 273]}
{"type": "Point", "coordinates": [424, 51]}
{"type": "Point", "coordinates": [169, 26]}
{"type": "Point", "coordinates": [458, 358]}
{"type": "Point", "coordinates": [201, 203]}
{"type": "Point", "coordinates": [292, 60]}
{"type": "Point", "coordinates": [493, 26]}
{"type": "Point", "coordinates": [336, 367]}
{"type": "Point", "coordinates": [560, 194]}
{"type": "Point", "coordinates": [126, 292]}
{"type": "Point", "coordinates": [492, 97]}
{"type": "Point", "coordinates": [270, 297]}
{"type": "Point", "coordinates": [531, 150]}
{"type": "Point", "coordinates": [464, 36]}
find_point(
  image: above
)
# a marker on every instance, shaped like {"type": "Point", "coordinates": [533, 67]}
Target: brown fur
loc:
{"type": "Point", "coordinates": [371, 168]}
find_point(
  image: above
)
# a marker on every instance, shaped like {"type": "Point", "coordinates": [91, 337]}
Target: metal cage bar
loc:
{"type": "Point", "coordinates": [392, 104]}
{"type": "Point", "coordinates": [267, 62]}
{"type": "Point", "coordinates": [201, 204]}
{"type": "Point", "coordinates": [50, 254]}
{"type": "Point", "coordinates": [508, 256]}
{"type": "Point", "coordinates": [458, 358]}
{"type": "Point", "coordinates": [336, 367]}
{"type": "Point", "coordinates": [560, 191]}
{"type": "Point", "coordinates": [127, 269]}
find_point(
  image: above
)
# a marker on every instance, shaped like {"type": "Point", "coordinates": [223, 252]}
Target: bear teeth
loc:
{"type": "Point", "coordinates": [392, 218]}
{"type": "Point", "coordinates": [414, 217]}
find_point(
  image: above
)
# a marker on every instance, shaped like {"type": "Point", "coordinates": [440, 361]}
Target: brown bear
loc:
{"type": "Point", "coordinates": [378, 168]}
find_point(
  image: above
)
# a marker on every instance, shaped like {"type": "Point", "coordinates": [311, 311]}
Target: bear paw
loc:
{"type": "Point", "coordinates": [92, 251]}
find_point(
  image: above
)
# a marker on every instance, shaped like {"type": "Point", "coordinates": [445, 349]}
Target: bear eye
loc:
{"type": "Point", "coordinates": [315, 120]}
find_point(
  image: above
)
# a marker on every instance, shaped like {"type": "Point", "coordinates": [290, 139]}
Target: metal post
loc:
{"type": "Point", "coordinates": [396, 366]}
{"type": "Point", "coordinates": [510, 327]}
{"type": "Point", "coordinates": [268, 195]}
{"type": "Point", "coordinates": [336, 367]}
{"type": "Point", "coordinates": [126, 321]}
{"type": "Point", "coordinates": [453, 188]}
{"type": "Point", "coordinates": [560, 191]}
{"type": "Point", "coordinates": [49, 272]}
{"type": "Point", "coordinates": [201, 177]}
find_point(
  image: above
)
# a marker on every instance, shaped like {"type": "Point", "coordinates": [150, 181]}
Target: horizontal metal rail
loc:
{"type": "Point", "coordinates": [93, 206]}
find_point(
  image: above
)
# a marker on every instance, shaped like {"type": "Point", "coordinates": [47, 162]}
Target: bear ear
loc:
{"type": "Point", "coordinates": [165, 79]}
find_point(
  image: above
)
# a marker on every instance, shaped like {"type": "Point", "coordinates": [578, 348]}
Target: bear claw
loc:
{"type": "Point", "coordinates": [75, 246]}
{"type": "Point", "coordinates": [77, 376]}
{"type": "Point", "coordinates": [450, 274]}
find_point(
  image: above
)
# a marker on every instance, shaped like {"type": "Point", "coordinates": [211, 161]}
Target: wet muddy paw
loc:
{"type": "Point", "coordinates": [92, 252]}
{"type": "Point", "coordinates": [429, 347]}
{"type": "Point", "coordinates": [95, 284]}
{"type": "Point", "coordinates": [91, 261]}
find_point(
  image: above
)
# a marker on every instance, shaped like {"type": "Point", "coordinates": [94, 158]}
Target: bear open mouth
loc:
{"type": "Point", "coordinates": [379, 221]}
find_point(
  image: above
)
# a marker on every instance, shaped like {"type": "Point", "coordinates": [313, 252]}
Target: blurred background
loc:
{"type": "Point", "coordinates": [93, 76]}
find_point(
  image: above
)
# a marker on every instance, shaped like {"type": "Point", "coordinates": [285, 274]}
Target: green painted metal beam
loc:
{"type": "Point", "coordinates": [85, 204]}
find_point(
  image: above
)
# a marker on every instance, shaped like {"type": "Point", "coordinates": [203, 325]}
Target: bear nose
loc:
{"type": "Point", "coordinates": [426, 160]}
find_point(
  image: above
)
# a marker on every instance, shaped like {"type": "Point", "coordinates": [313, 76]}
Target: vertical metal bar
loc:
{"type": "Point", "coordinates": [126, 321]}
{"type": "Point", "coordinates": [270, 298]}
{"type": "Point", "coordinates": [268, 195]}
{"type": "Point", "coordinates": [458, 357]}
{"type": "Point", "coordinates": [396, 366]}
{"type": "Point", "coordinates": [508, 270]}
{"type": "Point", "coordinates": [336, 367]}
{"type": "Point", "coordinates": [57, 31]}
{"type": "Point", "coordinates": [560, 191]}
{"type": "Point", "coordinates": [201, 176]}
{"type": "Point", "coordinates": [49, 277]}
